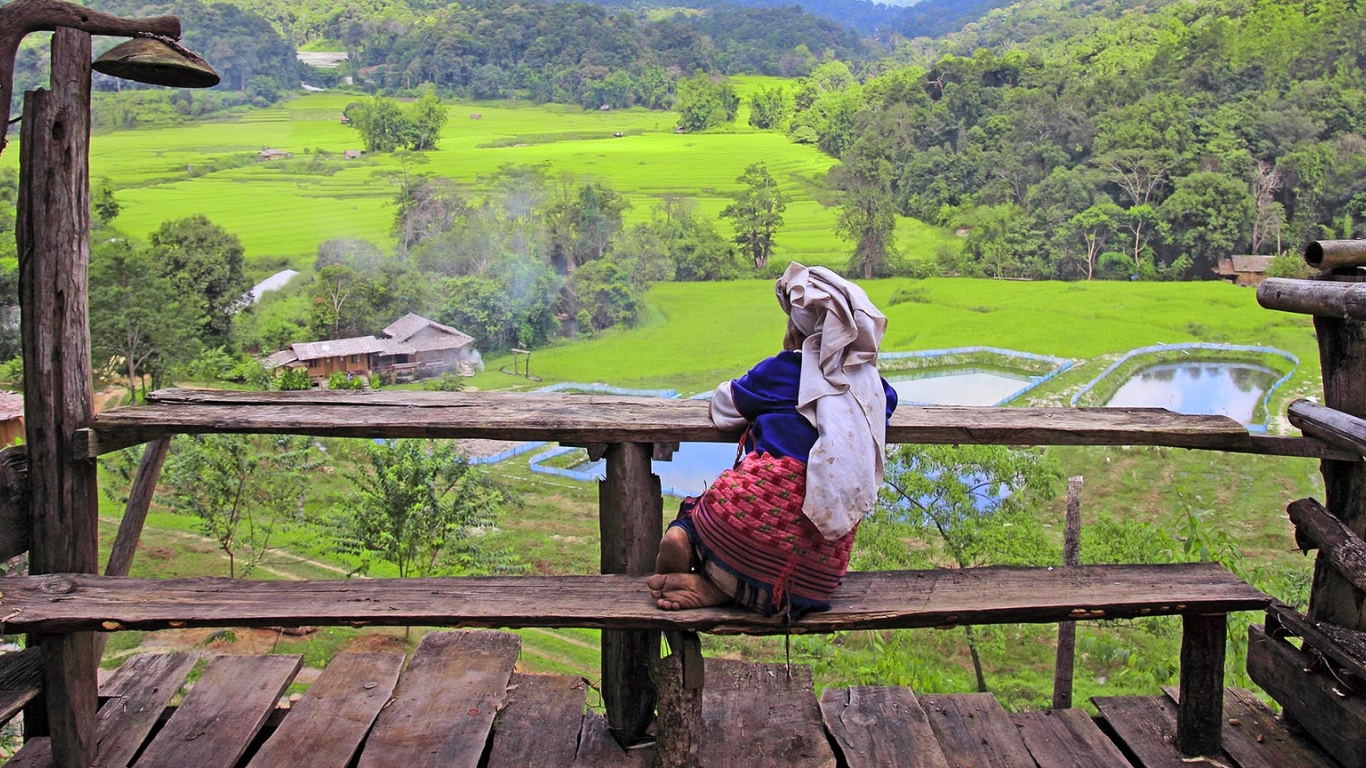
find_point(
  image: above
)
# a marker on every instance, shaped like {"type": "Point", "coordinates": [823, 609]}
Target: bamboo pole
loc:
{"type": "Point", "coordinates": [1332, 254]}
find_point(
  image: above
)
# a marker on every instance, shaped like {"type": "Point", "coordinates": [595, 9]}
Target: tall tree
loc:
{"type": "Point", "coordinates": [204, 261]}
{"type": "Point", "coordinates": [703, 103]}
{"type": "Point", "coordinates": [770, 108]}
{"type": "Point", "coordinates": [757, 213]}
{"type": "Point", "coordinates": [868, 214]}
{"type": "Point", "coordinates": [136, 313]}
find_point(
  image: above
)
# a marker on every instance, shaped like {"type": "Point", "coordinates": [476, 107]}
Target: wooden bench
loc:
{"type": "Point", "coordinates": [1201, 593]}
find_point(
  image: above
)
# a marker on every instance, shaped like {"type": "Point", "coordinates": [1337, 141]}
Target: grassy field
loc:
{"type": "Point", "coordinates": [282, 210]}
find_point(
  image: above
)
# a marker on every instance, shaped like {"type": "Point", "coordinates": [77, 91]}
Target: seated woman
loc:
{"type": "Point", "coordinates": [773, 534]}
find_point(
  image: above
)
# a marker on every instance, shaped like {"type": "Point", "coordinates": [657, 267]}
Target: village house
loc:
{"type": "Point", "coordinates": [412, 347]}
{"type": "Point", "coordinates": [273, 154]}
{"type": "Point", "coordinates": [1247, 271]}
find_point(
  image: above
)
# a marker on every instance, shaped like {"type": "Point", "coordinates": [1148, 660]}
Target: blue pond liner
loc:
{"type": "Point", "coordinates": [1208, 347]}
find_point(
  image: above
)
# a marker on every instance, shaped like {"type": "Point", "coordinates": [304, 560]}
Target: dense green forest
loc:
{"type": "Point", "coordinates": [1074, 140]}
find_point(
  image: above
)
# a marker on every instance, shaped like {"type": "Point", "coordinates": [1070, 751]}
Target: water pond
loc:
{"type": "Point", "coordinates": [695, 465]}
{"type": "Point", "coordinates": [1224, 389]}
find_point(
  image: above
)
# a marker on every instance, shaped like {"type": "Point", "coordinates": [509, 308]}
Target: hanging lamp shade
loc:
{"type": "Point", "coordinates": [156, 62]}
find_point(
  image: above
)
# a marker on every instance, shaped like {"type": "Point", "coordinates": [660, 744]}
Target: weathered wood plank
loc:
{"type": "Point", "coordinates": [137, 694]}
{"type": "Point", "coordinates": [883, 600]}
{"type": "Point", "coordinates": [21, 680]}
{"type": "Point", "coordinates": [222, 713]}
{"type": "Point", "coordinates": [1146, 725]}
{"type": "Point", "coordinates": [1202, 684]}
{"type": "Point", "coordinates": [1342, 358]}
{"type": "Point", "coordinates": [678, 716]}
{"type": "Point", "coordinates": [755, 714]}
{"type": "Point", "coordinates": [327, 725]}
{"type": "Point", "coordinates": [1313, 297]}
{"type": "Point", "coordinates": [445, 702]}
{"type": "Point", "coordinates": [540, 723]}
{"type": "Point", "coordinates": [975, 732]}
{"type": "Point", "coordinates": [631, 521]}
{"type": "Point", "coordinates": [1337, 723]}
{"type": "Point", "coordinates": [879, 726]}
{"type": "Point", "coordinates": [597, 748]}
{"type": "Point", "coordinates": [53, 232]}
{"type": "Point", "coordinates": [588, 419]}
{"type": "Point", "coordinates": [1316, 527]}
{"type": "Point", "coordinates": [1064, 664]}
{"type": "Point", "coordinates": [1256, 739]}
{"type": "Point", "coordinates": [1067, 738]}
{"type": "Point", "coordinates": [1347, 648]}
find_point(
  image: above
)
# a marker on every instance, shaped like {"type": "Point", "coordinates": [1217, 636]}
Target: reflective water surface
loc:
{"type": "Point", "coordinates": [1224, 389]}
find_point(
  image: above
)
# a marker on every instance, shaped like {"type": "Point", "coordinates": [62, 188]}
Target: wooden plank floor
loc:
{"type": "Point", "coordinates": [460, 702]}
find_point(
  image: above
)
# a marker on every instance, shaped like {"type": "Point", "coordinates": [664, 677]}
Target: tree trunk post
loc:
{"type": "Point", "coordinates": [53, 233]}
{"type": "Point", "coordinates": [1342, 355]}
{"type": "Point", "coordinates": [1200, 713]}
{"type": "Point", "coordinates": [630, 514]}
{"type": "Point", "coordinates": [1067, 630]}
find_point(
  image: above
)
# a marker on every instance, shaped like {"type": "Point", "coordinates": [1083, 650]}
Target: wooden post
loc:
{"type": "Point", "coordinates": [678, 729]}
{"type": "Point", "coordinates": [1200, 713]}
{"type": "Point", "coordinates": [1342, 356]}
{"type": "Point", "coordinates": [53, 228]}
{"type": "Point", "coordinates": [1067, 630]}
{"type": "Point", "coordinates": [631, 518]}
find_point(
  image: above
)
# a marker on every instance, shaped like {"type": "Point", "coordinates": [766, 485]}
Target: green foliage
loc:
{"type": "Point", "coordinates": [770, 108]}
{"type": "Point", "coordinates": [243, 488]}
{"type": "Point", "coordinates": [704, 103]}
{"type": "Point", "coordinates": [204, 263]}
{"type": "Point", "coordinates": [341, 380]}
{"type": "Point", "coordinates": [582, 222]}
{"type": "Point", "coordinates": [446, 382]}
{"type": "Point", "coordinates": [757, 213]}
{"type": "Point", "coordinates": [296, 379]}
{"type": "Point", "coordinates": [605, 291]}
{"type": "Point", "coordinates": [141, 319]}
{"type": "Point", "coordinates": [1289, 265]}
{"type": "Point", "coordinates": [103, 204]}
{"type": "Point", "coordinates": [677, 244]}
{"type": "Point", "coordinates": [385, 126]}
{"type": "Point", "coordinates": [419, 505]}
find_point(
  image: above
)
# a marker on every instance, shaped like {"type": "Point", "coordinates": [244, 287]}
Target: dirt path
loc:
{"type": "Point", "coordinates": [295, 559]}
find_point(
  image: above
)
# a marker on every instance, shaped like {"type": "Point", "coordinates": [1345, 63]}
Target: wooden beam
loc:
{"type": "Point", "coordinates": [1340, 429]}
{"type": "Point", "coordinates": [1065, 661]}
{"type": "Point", "coordinates": [1317, 527]}
{"type": "Point", "coordinates": [53, 228]}
{"type": "Point", "coordinates": [1320, 298]}
{"type": "Point", "coordinates": [21, 680]}
{"type": "Point", "coordinates": [588, 419]}
{"type": "Point", "coordinates": [1336, 721]}
{"type": "Point", "coordinates": [1345, 647]}
{"type": "Point", "coordinates": [882, 600]}
{"type": "Point", "coordinates": [1200, 713]}
{"type": "Point", "coordinates": [1342, 357]}
{"type": "Point", "coordinates": [631, 521]}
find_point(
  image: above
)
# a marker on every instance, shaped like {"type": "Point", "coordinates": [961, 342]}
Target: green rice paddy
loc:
{"type": "Point", "coordinates": [283, 209]}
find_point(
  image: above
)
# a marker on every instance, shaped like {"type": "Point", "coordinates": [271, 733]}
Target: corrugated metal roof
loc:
{"type": "Point", "coordinates": [395, 347]}
{"type": "Point", "coordinates": [315, 350]}
{"type": "Point", "coordinates": [410, 324]}
{"type": "Point", "coordinates": [277, 359]}
{"type": "Point", "coordinates": [1251, 263]}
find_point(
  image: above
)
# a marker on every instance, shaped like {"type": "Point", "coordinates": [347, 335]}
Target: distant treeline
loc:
{"type": "Point", "coordinates": [1080, 139]}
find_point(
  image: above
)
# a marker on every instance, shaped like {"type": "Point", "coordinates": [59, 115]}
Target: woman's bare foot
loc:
{"type": "Point", "coordinates": [675, 552]}
{"type": "Point", "coordinates": [680, 591]}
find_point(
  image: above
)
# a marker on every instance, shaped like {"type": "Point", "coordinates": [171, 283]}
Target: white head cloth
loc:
{"type": "Point", "coordinates": [840, 394]}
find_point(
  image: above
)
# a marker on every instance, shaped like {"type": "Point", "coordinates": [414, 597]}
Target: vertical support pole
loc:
{"type": "Point", "coordinates": [678, 730]}
{"type": "Point", "coordinates": [1200, 714]}
{"type": "Point", "coordinates": [631, 517]}
{"type": "Point", "coordinates": [1067, 630]}
{"type": "Point", "coordinates": [1342, 356]}
{"type": "Point", "coordinates": [53, 231]}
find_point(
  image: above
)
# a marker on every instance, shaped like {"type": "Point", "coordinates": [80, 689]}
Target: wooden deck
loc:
{"type": "Point", "coordinates": [460, 702]}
